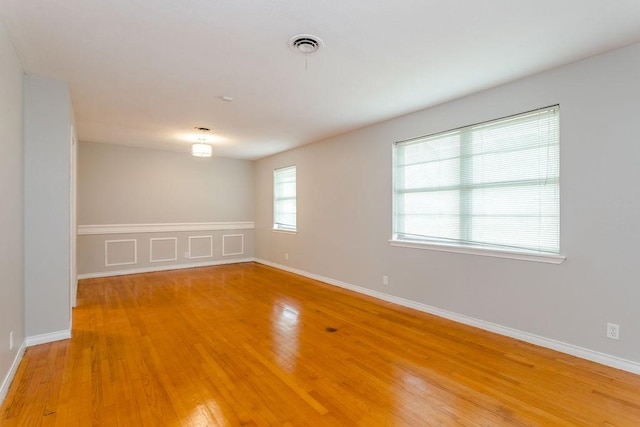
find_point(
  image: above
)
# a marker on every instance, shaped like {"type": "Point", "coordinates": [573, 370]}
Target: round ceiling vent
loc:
{"type": "Point", "coordinates": [305, 44]}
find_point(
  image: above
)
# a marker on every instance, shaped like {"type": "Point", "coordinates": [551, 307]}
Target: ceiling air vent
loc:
{"type": "Point", "coordinates": [305, 44]}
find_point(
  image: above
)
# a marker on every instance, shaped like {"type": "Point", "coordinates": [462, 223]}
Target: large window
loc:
{"type": "Point", "coordinates": [493, 185]}
{"type": "Point", "coordinates": [284, 199]}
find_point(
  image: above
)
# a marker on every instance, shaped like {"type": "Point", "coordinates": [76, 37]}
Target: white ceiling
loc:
{"type": "Point", "coordinates": [144, 73]}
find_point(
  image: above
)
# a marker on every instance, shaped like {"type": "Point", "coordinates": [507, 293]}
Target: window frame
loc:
{"type": "Point", "coordinates": [276, 226]}
{"type": "Point", "coordinates": [466, 247]}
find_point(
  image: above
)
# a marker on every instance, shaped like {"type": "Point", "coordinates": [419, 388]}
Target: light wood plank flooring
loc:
{"type": "Point", "coordinates": [247, 344]}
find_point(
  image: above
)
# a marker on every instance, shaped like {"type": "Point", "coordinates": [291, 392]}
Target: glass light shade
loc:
{"type": "Point", "coordinates": [201, 150]}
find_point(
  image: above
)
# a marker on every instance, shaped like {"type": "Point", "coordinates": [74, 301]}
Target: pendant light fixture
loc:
{"type": "Point", "coordinates": [201, 148]}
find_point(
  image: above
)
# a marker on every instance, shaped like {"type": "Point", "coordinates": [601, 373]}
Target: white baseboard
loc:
{"type": "Point", "coordinates": [47, 338]}
{"type": "Point", "coordinates": [4, 389]}
{"type": "Point", "coordinates": [162, 268]}
{"type": "Point", "coordinates": [583, 353]}
{"type": "Point", "coordinates": [28, 342]}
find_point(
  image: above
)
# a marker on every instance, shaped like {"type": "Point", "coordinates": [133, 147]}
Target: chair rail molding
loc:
{"type": "Point", "coordinates": [93, 229]}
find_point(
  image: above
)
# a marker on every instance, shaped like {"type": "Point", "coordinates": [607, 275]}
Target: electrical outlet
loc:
{"type": "Point", "coordinates": [385, 280]}
{"type": "Point", "coordinates": [286, 256]}
{"type": "Point", "coordinates": [186, 254]}
{"type": "Point", "coordinates": [11, 340]}
{"type": "Point", "coordinates": [613, 331]}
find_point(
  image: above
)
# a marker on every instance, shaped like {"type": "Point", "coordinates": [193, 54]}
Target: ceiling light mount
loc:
{"type": "Point", "coordinates": [305, 44]}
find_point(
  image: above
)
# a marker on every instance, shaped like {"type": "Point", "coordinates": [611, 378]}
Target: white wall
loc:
{"type": "Point", "coordinates": [120, 185]}
{"type": "Point", "coordinates": [127, 185]}
{"type": "Point", "coordinates": [344, 212]}
{"type": "Point", "coordinates": [11, 213]}
{"type": "Point", "coordinates": [48, 135]}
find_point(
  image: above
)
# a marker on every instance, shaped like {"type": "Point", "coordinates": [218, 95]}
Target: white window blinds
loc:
{"type": "Point", "coordinates": [284, 199]}
{"type": "Point", "coordinates": [494, 185]}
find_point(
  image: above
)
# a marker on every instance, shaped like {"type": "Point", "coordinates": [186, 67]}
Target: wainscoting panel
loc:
{"type": "Point", "coordinates": [232, 244]}
{"type": "Point", "coordinates": [120, 252]}
{"type": "Point", "coordinates": [200, 247]}
{"type": "Point", "coordinates": [163, 249]}
{"type": "Point", "coordinates": [178, 246]}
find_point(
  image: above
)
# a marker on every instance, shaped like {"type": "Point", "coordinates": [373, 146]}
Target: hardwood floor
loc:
{"type": "Point", "coordinates": [246, 344]}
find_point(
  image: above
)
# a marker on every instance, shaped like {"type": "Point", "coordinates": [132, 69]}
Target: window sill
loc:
{"type": "Point", "coordinates": [277, 230]}
{"type": "Point", "coordinates": [522, 256]}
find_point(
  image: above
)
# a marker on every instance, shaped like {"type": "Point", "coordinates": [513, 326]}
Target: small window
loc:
{"type": "Point", "coordinates": [495, 185]}
{"type": "Point", "coordinates": [284, 199]}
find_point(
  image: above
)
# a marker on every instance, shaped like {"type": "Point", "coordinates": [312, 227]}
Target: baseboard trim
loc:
{"type": "Point", "coordinates": [573, 350]}
{"type": "Point", "coordinates": [28, 342]}
{"type": "Point", "coordinates": [8, 379]}
{"type": "Point", "coordinates": [162, 268]}
{"type": "Point", "coordinates": [47, 338]}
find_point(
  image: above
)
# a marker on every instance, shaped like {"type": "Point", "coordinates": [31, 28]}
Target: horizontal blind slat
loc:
{"type": "Point", "coordinates": [284, 198]}
{"type": "Point", "coordinates": [491, 184]}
